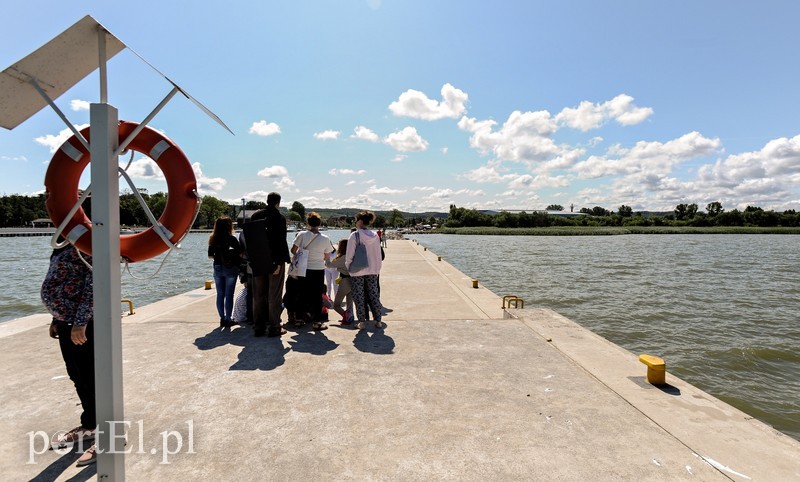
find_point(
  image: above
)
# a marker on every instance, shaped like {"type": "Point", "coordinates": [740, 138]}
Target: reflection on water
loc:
{"type": "Point", "coordinates": [721, 309]}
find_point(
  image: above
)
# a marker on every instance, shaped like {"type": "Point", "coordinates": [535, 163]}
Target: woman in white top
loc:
{"type": "Point", "coordinates": [319, 248]}
{"type": "Point", "coordinates": [364, 281]}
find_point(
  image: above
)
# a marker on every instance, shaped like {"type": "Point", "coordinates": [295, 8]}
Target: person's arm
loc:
{"type": "Point", "coordinates": [85, 309]}
{"type": "Point", "coordinates": [296, 244]}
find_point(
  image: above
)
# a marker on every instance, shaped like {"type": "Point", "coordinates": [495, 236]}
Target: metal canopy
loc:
{"type": "Point", "coordinates": [55, 67]}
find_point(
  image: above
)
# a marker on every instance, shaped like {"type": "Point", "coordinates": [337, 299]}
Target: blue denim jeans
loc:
{"type": "Point", "coordinates": [225, 282]}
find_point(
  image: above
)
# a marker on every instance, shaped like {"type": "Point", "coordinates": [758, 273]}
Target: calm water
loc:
{"type": "Point", "coordinates": [721, 309]}
{"type": "Point", "coordinates": [25, 260]}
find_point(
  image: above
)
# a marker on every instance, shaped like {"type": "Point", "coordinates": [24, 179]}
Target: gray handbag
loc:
{"type": "Point", "coordinates": [360, 259]}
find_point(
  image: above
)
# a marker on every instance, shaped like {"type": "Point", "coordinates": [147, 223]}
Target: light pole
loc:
{"type": "Point", "coordinates": [243, 212]}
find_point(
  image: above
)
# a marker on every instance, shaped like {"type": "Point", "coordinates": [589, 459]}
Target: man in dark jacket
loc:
{"type": "Point", "coordinates": [270, 287]}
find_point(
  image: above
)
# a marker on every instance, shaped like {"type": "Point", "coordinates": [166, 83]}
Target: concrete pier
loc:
{"type": "Point", "coordinates": [454, 388]}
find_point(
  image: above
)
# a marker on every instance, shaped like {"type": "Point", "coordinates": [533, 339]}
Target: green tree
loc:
{"type": "Point", "coordinates": [685, 211]}
{"type": "Point", "coordinates": [157, 202]}
{"type": "Point", "coordinates": [298, 207]}
{"type": "Point", "coordinates": [625, 211]}
{"type": "Point", "coordinates": [131, 212]}
{"type": "Point", "coordinates": [255, 205]}
{"type": "Point", "coordinates": [396, 218]}
{"type": "Point", "coordinates": [596, 211]}
{"type": "Point", "coordinates": [555, 207]}
{"type": "Point", "coordinates": [294, 217]}
{"type": "Point", "coordinates": [210, 210]}
{"type": "Point", "coordinates": [714, 208]}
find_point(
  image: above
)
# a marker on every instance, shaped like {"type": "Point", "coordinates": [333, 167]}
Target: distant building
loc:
{"type": "Point", "coordinates": [42, 223]}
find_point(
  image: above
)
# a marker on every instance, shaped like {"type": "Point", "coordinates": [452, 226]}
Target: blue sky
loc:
{"type": "Point", "coordinates": [419, 104]}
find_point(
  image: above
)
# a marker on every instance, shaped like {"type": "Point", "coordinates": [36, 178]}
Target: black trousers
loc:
{"type": "Point", "coordinates": [312, 293]}
{"type": "Point", "coordinates": [79, 360]}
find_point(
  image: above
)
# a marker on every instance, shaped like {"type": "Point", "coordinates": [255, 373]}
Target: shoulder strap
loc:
{"type": "Point", "coordinates": [312, 240]}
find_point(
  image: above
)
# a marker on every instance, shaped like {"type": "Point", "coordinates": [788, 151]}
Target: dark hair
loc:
{"type": "Point", "coordinates": [273, 199]}
{"type": "Point", "coordinates": [313, 219]}
{"type": "Point", "coordinates": [365, 217]}
{"type": "Point", "coordinates": [223, 226]}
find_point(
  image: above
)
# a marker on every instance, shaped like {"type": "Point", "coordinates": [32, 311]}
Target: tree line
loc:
{"type": "Point", "coordinates": [19, 211]}
{"type": "Point", "coordinates": [682, 215]}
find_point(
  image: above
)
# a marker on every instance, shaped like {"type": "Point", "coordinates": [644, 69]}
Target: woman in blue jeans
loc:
{"type": "Point", "coordinates": [225, 250]}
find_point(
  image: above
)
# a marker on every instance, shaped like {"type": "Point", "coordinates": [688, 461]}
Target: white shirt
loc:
{"type": "Point", "coordinates": [316, 249]}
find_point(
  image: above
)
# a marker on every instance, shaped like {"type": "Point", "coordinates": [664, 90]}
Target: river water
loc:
{"type": "Point", "coordinates": [721, 309]}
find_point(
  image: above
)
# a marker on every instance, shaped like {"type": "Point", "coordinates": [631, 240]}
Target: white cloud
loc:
{"type": "Point", "coordinates": [14, 158]}
{"type": "Point", "coordinates": [206, 184]}
{"type": "Point", "coordinates": [400, 158]}
{"type": "Point", "coordinates": [444, 150]}
{"type": "Point", "coordinates": [250, 196]}
{"type": "Point", "coordinates": [423, 188]}
{"type": "Point", "coordinates": [349, 183]}
{"type": "Point", "coordinates": [281, 179]}
{"type": "Point", "coordinates": [53, 142]}
{"type": "Point", "coordinates": [79, 105]}
{"type": "Point", "coordinates": [285, 183]}
{"type": "Point", "coordinates": [384, 190]}
{"type": "Point", "coordinates": [145, 168]}
{"type": "Point", "coordinates": [413, 103]}
{"type": "Point", "coordinates": [327, 135]}
{"type": "Point", "coordinates": [347, 172]}
{"type": "Point", "coordinates": [649, 160]}
{"type": "Point", "coordinates": [449, 193]}
{"type": "Point", "coordinates": [262, 128]}
{"type": "Point", "coordinates": [525, 136]}
{"type": "Point", "coordinates": [406, 140]}
{"type": "Point", "coordinates": [589, 116]}
{"type": "Point", "coordinates": [488, 173]}
{"type": "Point", "coordinates": [361, 132]}
{"type": "Point", "coordinates": [322, 191]}
{"type": "Point", "coordinates": [273, 172]}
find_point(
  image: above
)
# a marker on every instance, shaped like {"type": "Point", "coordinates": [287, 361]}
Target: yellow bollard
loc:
{"type": "Point", "coordinates": [130, 306]}
{"type": "Point", "coordinates": [656, 369]}
{"type": "Point", "coordinates": [474, 283]}
{"type": "Point", "coordinates": [208, 284]}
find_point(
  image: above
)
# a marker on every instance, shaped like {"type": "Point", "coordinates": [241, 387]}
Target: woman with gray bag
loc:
{"type": "Point", "coordinates": [363, 261]}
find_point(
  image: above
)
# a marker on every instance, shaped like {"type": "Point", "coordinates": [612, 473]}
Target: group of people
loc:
{"type": "Point", "coordinates": [259, 258]}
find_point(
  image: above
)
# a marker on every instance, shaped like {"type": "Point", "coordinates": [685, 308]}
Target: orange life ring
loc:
{"type": "Point", "coordinates": [67, 165]}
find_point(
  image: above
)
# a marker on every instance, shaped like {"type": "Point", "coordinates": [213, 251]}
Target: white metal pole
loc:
{"type": "Point", "coordinates": [107, 293]}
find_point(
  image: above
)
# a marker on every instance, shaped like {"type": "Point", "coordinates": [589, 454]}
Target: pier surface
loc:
{"type": "Point", "coordinates": [453, 388]}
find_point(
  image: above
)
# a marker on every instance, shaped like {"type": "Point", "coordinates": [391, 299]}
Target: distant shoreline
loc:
{"type": "Point", "coordinates": [545, 231]}
{"type": "Point", "coordinates": [611, 230]}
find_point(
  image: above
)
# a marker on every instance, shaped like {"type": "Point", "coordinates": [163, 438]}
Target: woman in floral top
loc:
{"type": "Point", "coordinates": [67, 293]}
